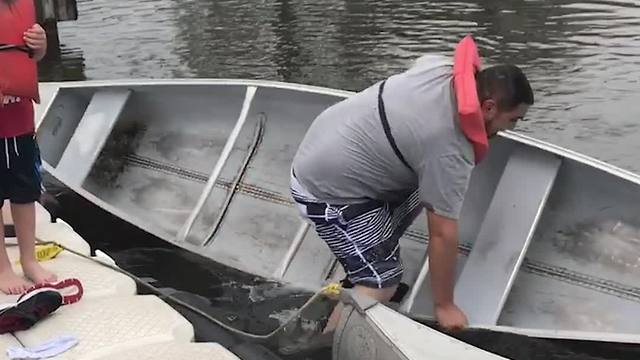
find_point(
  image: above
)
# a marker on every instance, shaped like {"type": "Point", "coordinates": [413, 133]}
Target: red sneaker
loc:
{"type": "Point", "coordinates": [71, 290]}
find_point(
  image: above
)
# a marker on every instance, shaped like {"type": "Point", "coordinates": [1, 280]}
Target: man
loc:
{"type": "Point", "coordinates": [369, 164]}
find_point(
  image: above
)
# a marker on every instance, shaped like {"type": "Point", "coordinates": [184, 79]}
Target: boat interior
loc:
{"type": "Point", "coordinates": [549, 239]}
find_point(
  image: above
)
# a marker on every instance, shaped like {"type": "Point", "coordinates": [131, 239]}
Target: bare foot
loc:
{"type": "Point", "coordinates": [36, 273]}
{"type": "Point", "coordinates": [10, 283]}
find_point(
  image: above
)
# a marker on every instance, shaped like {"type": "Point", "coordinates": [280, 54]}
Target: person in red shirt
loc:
{"type": "Point", "coordinates": [20, 180]}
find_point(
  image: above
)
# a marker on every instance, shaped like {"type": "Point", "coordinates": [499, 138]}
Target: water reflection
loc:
{"type": "Point", "coordinates": [62, 64]}
{"type": "Point", "coordinates": [582, 57]}
{"type": "Point", "coordinates": [287, 49]}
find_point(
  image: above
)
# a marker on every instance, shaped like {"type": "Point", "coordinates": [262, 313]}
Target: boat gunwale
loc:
{"type": "Point", "coordinates": [511, 135]}
{"type": "Point", "coordinates": [508, 134]}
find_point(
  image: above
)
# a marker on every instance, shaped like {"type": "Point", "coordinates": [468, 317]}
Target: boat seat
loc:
{"type": "Point", "coordinates": [485, 280]}
{"type": "Point", "coordinates": [293, 250]}
{"type": "Point", "coordinates": [307, 260]}
{"type": "Point", "coordinates": [183, 234]}
{"type": "Point", "coordinates": [505, 234]}
{"type": "Point", "coordinates": [90, 135]}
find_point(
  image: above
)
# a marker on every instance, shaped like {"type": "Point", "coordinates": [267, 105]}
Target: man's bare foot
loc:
{"type": "Point", "coordinates": [36, 273]}
{"type": "Point", "coordinates": [12, 284]}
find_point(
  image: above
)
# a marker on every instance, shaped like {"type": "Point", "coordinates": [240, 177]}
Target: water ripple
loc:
{"type": "Point", "coordinates": [581, 56]}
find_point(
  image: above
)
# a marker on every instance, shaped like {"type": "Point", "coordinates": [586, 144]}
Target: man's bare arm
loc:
{"type": "Point", "coordinates": [443, 250]}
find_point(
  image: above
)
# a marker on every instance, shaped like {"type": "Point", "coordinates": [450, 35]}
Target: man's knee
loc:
{"type": "Point", "coordinates": [380, 294]}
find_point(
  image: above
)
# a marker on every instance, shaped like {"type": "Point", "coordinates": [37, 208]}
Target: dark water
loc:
{"type": "Point", "coordinates": [583, 59]}
{"type": "Point", "coordinates": [240, 300]}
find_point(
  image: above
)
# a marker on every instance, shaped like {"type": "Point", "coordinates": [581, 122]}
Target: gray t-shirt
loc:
{"type": "Point", "coordinates": [345, 157]}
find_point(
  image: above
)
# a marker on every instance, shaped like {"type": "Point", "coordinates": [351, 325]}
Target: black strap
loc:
{"type": "Point", "coordinates": [9, 47]}
{"type": "Point", "coordinates": [387, 129]}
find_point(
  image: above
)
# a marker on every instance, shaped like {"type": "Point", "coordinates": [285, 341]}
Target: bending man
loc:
{"type": "Point", "coordinates": [371, 163]}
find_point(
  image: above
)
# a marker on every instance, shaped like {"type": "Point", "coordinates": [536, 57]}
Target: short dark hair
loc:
{"type": "Point", "coordinates": [507, 84]}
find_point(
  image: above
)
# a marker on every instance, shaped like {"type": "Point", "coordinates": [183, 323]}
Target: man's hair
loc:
{"type": "Point", "coordinates": [506, 84]}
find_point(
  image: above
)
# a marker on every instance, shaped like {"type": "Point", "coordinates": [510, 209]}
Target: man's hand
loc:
{"type": "Point", "coordinates": [450, 317]}
{"type": "Point", "coordinates": [36, 39]}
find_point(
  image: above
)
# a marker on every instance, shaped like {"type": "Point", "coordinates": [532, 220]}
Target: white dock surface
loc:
{"type": "Point", "coordinates": [111, 321]}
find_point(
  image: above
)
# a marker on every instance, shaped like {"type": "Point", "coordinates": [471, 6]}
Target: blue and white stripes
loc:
{"type": "Point", "coordinates": [363, 236]}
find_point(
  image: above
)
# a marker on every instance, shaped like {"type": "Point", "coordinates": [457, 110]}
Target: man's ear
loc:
{"type": "Point", "coordinates": [489, 109]}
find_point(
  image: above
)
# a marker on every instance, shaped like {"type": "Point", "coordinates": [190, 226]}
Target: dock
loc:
{"type": "Point", "coordinates": [111, 321]}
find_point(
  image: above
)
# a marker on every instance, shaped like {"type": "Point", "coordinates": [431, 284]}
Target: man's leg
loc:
{"type": "Point", "coordinates": [359, 238]}
{"type": "Point", "coordinates": [26, 189]}
{"type": "Point", "coordinates": [10, 282]}
{"type": "Point", "coordinates": [358, 235]}
{"type": "Point", "coordinates": [24, 217]}
{"type": "Point", "coordinates": [381, 295]}
{"type": "Point", "coordinates": [384, 259]}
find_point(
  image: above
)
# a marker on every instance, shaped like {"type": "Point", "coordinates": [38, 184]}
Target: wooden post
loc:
{"type": "Point", "coordinates": [48, 13]}
{"type": "Point", "coordinates": [56, 10]}
{"type": "Point", "coordinates": [66, 10]}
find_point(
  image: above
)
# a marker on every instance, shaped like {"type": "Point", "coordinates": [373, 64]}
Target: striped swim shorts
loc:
{"type": "Point", "coordinates": [364, 237]}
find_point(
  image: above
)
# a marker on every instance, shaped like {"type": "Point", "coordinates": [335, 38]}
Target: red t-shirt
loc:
{"type": "Point", "coordinates": [16, 117]}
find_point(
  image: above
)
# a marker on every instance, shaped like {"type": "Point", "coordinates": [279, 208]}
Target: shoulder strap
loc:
{"type": "Point", "coordinates": [387, 129]}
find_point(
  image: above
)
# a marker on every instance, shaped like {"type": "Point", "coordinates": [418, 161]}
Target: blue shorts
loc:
{"type": "Point", "coordinates": [364, 237]}
{"type": "Point", "coordinates": [20, 179]}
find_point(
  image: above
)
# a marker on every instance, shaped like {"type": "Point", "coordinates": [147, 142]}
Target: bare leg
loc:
{"type": "Point", "coordinates": [24, 218]}
{"type": "Point", "coordinates": [382, 295]}
{"type": "Point", "coordinates": [10, 283]}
